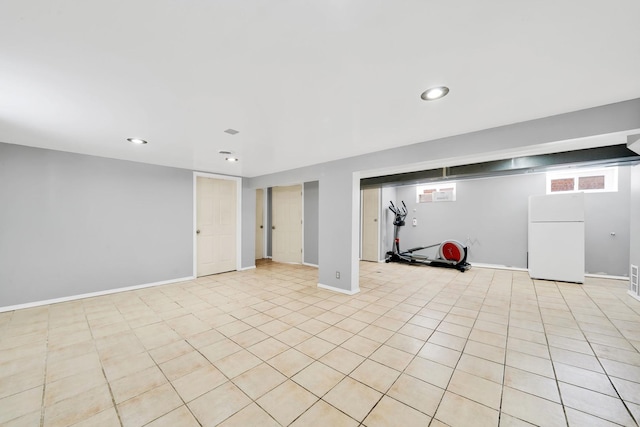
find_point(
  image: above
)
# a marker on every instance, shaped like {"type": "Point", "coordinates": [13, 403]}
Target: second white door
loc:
{"type": "Point", "coordinates": [216, 225]}
{"type": "Point", "coordinates": [370, 225]}
{"type": "Point", "coordinates": [286, 229]}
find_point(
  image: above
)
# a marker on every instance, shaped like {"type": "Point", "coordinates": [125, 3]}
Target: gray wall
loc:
{"type": "Point", "coordinates": [635, 216]}
{"type": "Point", "coordinates": [311, 227]}
{"type": "Point", "coordinates": [336, 178]}
{"type": "Point", "coordinates": [73, 224]}
{"type": "Point", "coordinates": [490, 216]}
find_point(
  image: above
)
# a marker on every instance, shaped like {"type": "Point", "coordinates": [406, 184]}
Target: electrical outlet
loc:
{"type": "Point", "coordinates": [337, 274]}
{"type": "Point", "coordinates": [415, 221]}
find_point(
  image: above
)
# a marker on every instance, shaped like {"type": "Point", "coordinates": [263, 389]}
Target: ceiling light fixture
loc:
{"type": "Point", "coordinates": [137, 141]}
{"type": "Point", "coordinates": [231, 131]}
{"type": "Point", "coordinates": [434, 93]}
{"type": "Point", "coordinates": [232, 159]}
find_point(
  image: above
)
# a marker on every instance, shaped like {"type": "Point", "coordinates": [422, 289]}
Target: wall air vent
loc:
{"type": "Point", "coordinates": [634, 287]}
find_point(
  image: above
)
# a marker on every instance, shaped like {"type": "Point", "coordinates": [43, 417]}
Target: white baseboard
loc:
{"type": "Point", "coordinates": [342, 291]}
{"type": "Point", "coordinates": [606, 276]}
{"type": "Point", "coordinates": [91, 294]}
{"type": "Point", "coordinates": [497, 267]}
{"type": "Point", "coordinates": [251, 267]}
{"type": "Point", "coordinates": [310, 265]}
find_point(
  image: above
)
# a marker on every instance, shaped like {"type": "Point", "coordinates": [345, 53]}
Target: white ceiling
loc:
{"type": "Point", "coordinates": [303, 82]}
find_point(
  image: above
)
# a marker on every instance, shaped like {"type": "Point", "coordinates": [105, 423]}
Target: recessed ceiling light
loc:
{"type": "Point", "coordinates": [434, 93]}
{"type": "Point", "coordinates": [225, 152]}
{"type": "Point", "coordinates": [231, 131]}
{"type": "Point", "coordinates": [137, 141]}
{"type": "Point", "coordinates": [231, 159]}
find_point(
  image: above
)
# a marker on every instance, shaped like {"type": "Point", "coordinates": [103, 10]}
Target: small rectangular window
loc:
{"type": "Point", "coordinates": [439, 192]}
{"type": "Point", "coordinates": [587, 180]}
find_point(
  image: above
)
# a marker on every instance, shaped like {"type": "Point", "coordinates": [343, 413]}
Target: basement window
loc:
{"type": "Point", "coordinates": [587, 180]}
{"type": "Point", "coordinates": [440, 192]}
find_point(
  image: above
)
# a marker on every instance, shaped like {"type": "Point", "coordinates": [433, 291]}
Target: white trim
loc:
{"type": "Point", "coordinates": [342, 291]}
{"type": "Point", "coordinates": [498, 267]}
{"type": "Point", "coordinates": [238, 181]}
{"type": "Point", "coordinates": [251, 267]}
{"type": "Point", "coordinates": [355, 235]}
{"type": "Point", "coordinates": [92, 294]}
{"type": "Point", "coordinates": [310, 265]}
{"type": "Point", "coordinates": [606, 276]}
{"type": "Point", "coordinates": [302, 223]}
{"type": "Point", "coordinates": [264, 221]}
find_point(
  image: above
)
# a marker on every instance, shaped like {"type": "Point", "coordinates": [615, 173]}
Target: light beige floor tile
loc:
{"type": "Point", "coordinates": [375, 375]}
{"type": "Point", "coordinates": [21, 381]}
{"type": "Point", "coordinates": [205, 338]}
{"type": "Point", "coordinates": [170, 351]}
{"type": "Point", "coordinates": [20, 404]}
{"type": "Point", "coordinates": [290, 362]}
{"type": "Point", "coordinates": [198, 382]}
{"type": "Point", "coordinates": [580, 346]}
{"type": "Point", "coordinates": [182, 365]}
{"type": "Point", "coordinates": [249, 337]}
{"type": "Point", "coordinates": [537, 385]}
{"type": "Point", "coordinates": [594, 403]}
{"type": "Point", "coordinates": [481, 367]}
{"type": "Point", "coordinates": [251, 415]}
{"type": "Point", "coordinates": [430, 371]}
{"type": "Point", "coordinates": [491, 338]}
{"type": "Point", "coordinates": [148, 406]}
{"type": "Point", "coordinates": [220, 349]}
{"type": "Point", "coordinates": [292, 336]}
{"type": "Point", "coordinates": [376, 333]}
{"type": "Point", "coordinates": [453, 329]}
{"type": "Point", "coordinates": [315, 347]}
{"type": "Point", "coordinates": [361, 345]}
{"type": "Point", "coordinates": [392, 357]}
{"type": "Point", "coordinates": [117, 368]}
{"type": "Point", "coordinates": [405, 343]}
{"type": "Point", "coordinates": [416, 331]}
{"type": "Point", "coordinates": [580, 419]}
{"type": "Point", "coordinates": [268, 348]}
{"type": "Point", "coordinates": [67, 367]}
{"type": "Point", "coordinates": [286, 402]}
{"type": "Point", "coordinates": [106, 418]}
{"type": "Point", "coordinates": [629, 390]}
{"type": "Point", "coordinates": [318, 378]}
{"type": "Point", "coordinates": [447, 340]}
{"type": "Point", "coordinates": [80, 407]}
{"type": "Point", "coordinates": [132, 385]}
{"type": "Point", "coordinates": [437, 353]}
{"type": "Point", "coordinates": [219, 404]}
{"type": "Point", "coordinates": [335, 335]}
{"type": "Point", "coordinates": [584, 378]}
{"type": "Point", "coordinates": [509, 421]}
{"type": "Point", "coordinates": [531, 408]}
{"type": "Point", "coordinates": [342, 360]}
{"type": "Point", "coordinates": [389, 412]}
{"type": "Point", "coordinates": [351, 325]}
{"type": "Point", "coordinates": [353, 398]}
{"type": "Point", "coordinates": [178, 417]}
{"type": "Point", "coordinates": [533, 364]}
{"type": "Point", "coordinates": [322, 414]}
{"type": "Point", "coordinates": [621, 370]}
{"type": "Point", "coordinates": [73, 385]}
{"type": "Point", "coordinates": [237, 363]}
{"type": "Point", "coordinates": [156, 335]}
{"type": "Point", "coordinates": [476, 388]}
{"type": "Point", "coordinates": [416, 393]}
{"type": "Point", "coordinates": [576, 359]}
{"type": "Point", "coordinates": [259, 380]}
{"type": "Point", "coordinates": [456, 411]}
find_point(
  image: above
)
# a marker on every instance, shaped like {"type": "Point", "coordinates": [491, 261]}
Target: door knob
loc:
{"type": "Point", "coordinates": [261, 227]}
{"type": "Point", "coordinates": [273, 227]}
{"type": "Point", "coordinates": [197, 231]}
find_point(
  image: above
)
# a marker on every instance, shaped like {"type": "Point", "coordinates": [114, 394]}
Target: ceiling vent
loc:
{"type": "Point", "coordinates": [231, 131]}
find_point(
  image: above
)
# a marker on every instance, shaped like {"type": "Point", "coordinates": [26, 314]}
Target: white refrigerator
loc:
{"type": "Point", "coordinates": [556, 237]}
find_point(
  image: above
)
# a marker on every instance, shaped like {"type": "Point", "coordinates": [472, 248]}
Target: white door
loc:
{"type": "Point", "coordinates": [216, 225]}
{"type": "Point", "coordinates": [370, 227]}
{"type": "Point", "coordinates": [286, 228]}
{"type": "Point", "coordinates": [259, 224]}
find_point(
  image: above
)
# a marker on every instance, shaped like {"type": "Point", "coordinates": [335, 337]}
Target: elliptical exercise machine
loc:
{"type": "Point", "coordinates": [451, 254]}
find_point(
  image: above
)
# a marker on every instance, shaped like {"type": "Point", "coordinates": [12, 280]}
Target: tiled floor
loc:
{"type": "Point", "coordinates": [419, 346]}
